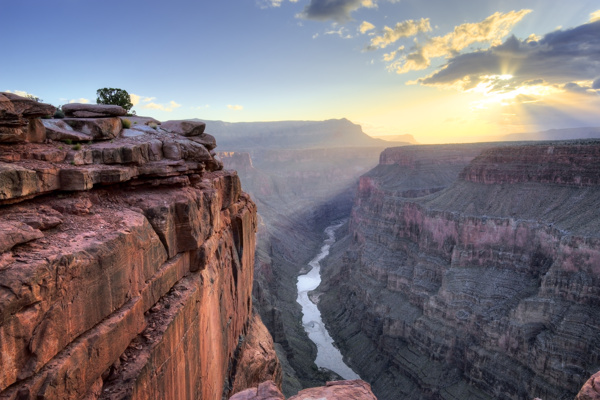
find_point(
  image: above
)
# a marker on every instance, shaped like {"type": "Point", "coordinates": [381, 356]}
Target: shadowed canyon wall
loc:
{"type": "Point", "coordinates": [489, 288]}
{"type": "Point", "coordinates": [298, 192]}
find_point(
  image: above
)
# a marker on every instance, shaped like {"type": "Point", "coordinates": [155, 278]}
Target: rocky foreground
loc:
{"type": "Point", "coordinates": [488, 288]}
{"type": "Point", "coordinates": [126, 260]}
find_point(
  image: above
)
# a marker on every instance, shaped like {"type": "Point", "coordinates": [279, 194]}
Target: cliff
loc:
{"type": "Point", "coordinates": [486, 289]}
{"type": "Point", "coordinates": [126, 261]}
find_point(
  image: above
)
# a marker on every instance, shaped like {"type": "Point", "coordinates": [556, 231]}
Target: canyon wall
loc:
{"type": "Point", "coordinates": [298, 192]}
{"type": "Point", "coordinates": [126, 261]}
{"type": "Point", "coordinates": [488, 288]}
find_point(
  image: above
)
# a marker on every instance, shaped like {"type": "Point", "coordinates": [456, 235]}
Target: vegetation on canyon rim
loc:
{"type": "Point", "coordinates": [118, 97]}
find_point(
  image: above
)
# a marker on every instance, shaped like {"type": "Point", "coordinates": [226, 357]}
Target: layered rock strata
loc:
{"type": "Point", "coordinates": [126, 272]}
{"type": "Point", "coordinates": [485, 289]}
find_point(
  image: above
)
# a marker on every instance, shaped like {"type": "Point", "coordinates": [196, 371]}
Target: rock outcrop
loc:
{"type": "Point", "coordinates": [19, 119]}
{"type": "Point", "coordinates": [125, 271]}
{"type": "Point", "coordinates": [486, 289]}
{"type": "Point", "coordinates": [337, 390]}
{"type": "Point", "coordinates": [591, 389]}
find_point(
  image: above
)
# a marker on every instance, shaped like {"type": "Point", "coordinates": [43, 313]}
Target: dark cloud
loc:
{"type": "Point", "coordinates": [558, 58]}
{"type": "Point", "coordinates": [337, 10]}
{"type": "Point", "coordinates": [596, 84]}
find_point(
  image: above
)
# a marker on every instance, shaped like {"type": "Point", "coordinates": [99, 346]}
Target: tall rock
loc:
{"type": "Point", "coordinates": [487, 289]}
{"type": "Point", "coordinates": [125, 271]}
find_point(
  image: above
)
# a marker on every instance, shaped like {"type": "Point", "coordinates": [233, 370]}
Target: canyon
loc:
{"type": "Point", "coordinates": [135, 262]}
{"type": "Point", "coordinates": [127, 258]}
{"type": "Point", "coordinates": [471, 271]}
{"type": "Point", "coordinates": [298, 191]}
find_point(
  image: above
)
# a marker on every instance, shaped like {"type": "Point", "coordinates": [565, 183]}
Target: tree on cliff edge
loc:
{"type": "Point", "coordinates": [118, 97]}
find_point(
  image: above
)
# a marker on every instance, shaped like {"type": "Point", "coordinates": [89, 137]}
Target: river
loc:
{"type": "Point", "coordinates": [328, 356]}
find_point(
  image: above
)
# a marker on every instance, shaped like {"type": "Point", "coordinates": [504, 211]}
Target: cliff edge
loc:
{"type": "Point", "coordinates": [126, 260]}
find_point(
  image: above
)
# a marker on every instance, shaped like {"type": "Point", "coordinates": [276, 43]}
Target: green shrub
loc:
{"type": "Point", "coordinates": [153, 125]}
{"type": "Point", "coordinates": [68, 141]}
{"type": "Point", "coordinates": [59, 113]}
{"type": "Point", "coordinates": [77, 146]}
{"type": "Point", "coordinates": [126, 123]}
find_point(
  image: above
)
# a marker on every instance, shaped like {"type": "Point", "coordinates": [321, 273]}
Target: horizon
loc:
{"type": "Point", "coordinates": [441, 73]}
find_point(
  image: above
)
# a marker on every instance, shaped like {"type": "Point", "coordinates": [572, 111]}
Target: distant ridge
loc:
{"type": "Point", "coordinates": [292, 135]}
{"type": "Point", "coordinates": [408, 138]}
{"type": "Point", "coordinates": [554, 134]}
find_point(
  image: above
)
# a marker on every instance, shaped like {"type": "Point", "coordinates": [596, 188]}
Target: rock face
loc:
{"type": "Point", "coordinates": [19, 119]}
{"type": "Point", "coordinates": [591, 389]}
{"type": "Point", "coordinates": [487, 289]}
{"type": "Point", "coordinates": [337, 390]}
{"type": "Point", "coordinates": [124, 274]}
{"type": "Point", "coordinates": [80, 110]}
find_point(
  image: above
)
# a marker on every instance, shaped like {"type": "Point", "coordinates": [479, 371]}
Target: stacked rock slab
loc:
{"type": "Point", "coordinates": [125, 269]}
{"type": "Point", "coordinates": [19, 119]}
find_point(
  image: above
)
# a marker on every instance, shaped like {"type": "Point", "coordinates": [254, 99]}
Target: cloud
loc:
{"type": "Point", "coordinates": [595, 16]}
{"type": "Point", "coordinates": [402, 29]}
{"type": "Point", "coordinates": [134, 98]}
{"type": "Point", "coordinates": [559, 58]}
{"type": "Point", "coordinates": [490, 30]}
{"type": "Point", "coordinates": [340, 32]}
{"type": "Point", "coordinates": [336, 10]}
{"type": "Point", "coordinates": [365, 27]}
{"type": "Point", "coordinates": [79, 100]}
{"type": "Point", "coordinates": [236, 107]}
{"type": "Point", "coordinates": [168, 107]}
{"type": "Point", "coordinates": [272, 3]}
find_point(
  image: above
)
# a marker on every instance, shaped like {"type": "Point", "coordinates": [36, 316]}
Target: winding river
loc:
{"type": "Point", "coordinates": [328, 356]}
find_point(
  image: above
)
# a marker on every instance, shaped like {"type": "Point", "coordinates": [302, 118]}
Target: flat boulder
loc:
{"type": "Point", "coordinates": [186, 127]}
{"type": "Point", "coordinates": [135, 120]}
{"type": "Point", "coordinates": [57, 129]}
{"type": "Point", "coordinates": [81, 110]}
{"type": "Point", "coordinates": [97, 128]}
{"type": "Point", "coordinates": [206, 140]}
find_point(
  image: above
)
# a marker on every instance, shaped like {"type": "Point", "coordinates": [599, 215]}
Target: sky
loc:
{"type": "Point", "coordinates": [441, 70]}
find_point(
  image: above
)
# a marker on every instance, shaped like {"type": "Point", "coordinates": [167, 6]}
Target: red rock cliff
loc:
{"type": "Point", "coordinates": [486, 289]}
{"type": "Point", "coordinates": [126, 265]}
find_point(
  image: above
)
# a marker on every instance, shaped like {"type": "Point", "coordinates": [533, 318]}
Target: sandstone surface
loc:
{"type": "Point", "coordinates": [486, 289]}
{"type": "Point", "coordinates": [591, 389]}
{"type": "Point", "coordinates": [336, 390]}
{"type": "Point", "coordinates": [124, 274]}
{"type": "Point", "coordinates": [81, 110]}
{"type": "Point", "coordinates": [19, 119]}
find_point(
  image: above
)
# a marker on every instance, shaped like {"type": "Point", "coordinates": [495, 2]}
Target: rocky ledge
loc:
{"type": "Point", "coordinates": [126, 261]}
{"type": "Point", "coordinates": [337, 390]}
